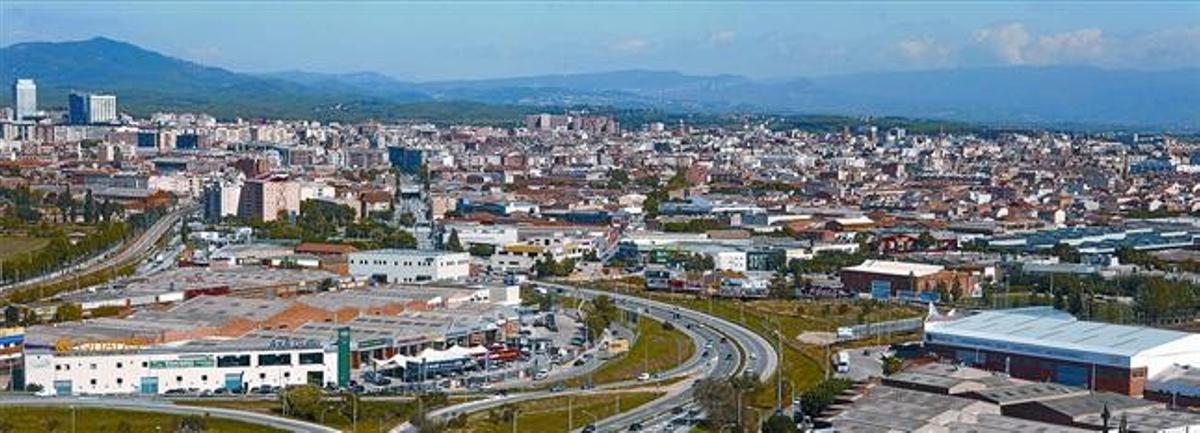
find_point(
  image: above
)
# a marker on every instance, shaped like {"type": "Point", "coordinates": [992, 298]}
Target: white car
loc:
{"type": "Point", "coordinates": [643, 377]}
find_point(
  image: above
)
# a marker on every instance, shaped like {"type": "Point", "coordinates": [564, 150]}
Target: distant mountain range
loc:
{"type": "Point", "coordinates": [147, 81]}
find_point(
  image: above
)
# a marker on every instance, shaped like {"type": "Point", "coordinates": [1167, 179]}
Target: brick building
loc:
{"type": "Point", "coordinates": [886, 279]}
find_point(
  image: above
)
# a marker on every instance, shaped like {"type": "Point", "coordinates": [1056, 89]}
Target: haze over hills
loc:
{"type": "Point", "coordinates": [147, 81]}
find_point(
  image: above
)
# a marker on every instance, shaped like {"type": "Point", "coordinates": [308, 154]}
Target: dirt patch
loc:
{"type": "Point", "coordinates": [817, 338]}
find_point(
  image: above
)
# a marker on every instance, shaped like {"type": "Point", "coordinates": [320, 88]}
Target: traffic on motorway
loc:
{"type": "Point", "coordinates": [724, 349]}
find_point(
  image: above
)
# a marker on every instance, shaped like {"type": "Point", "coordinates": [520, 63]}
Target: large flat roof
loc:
{"type": "Point", "coordinates": [407, 253]}
{"type": "Point", "coordinates": [901, 269]}
{"type": "Point", "coordinates": [1045, 332]}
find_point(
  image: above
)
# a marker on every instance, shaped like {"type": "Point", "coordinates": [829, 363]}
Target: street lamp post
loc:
{"type": "Point", "coordinates": [589, 414]}
{"type": "Point", "coordinates": [516, 413]}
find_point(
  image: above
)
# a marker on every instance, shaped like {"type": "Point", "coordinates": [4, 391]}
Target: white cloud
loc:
{"type": "Point", "coordinates": [1167, 48]}
{"type": "Point", "coordinates": [631, 45]}
{"type": "Point", "coordinates": [1013, 44]}
{"type": "Point", "coordinates": [923, 52]}
{"type": "Point", "coordinates": [1083, 45]}
{"type": "Point", "coordinates": [722, 37]}
{"type": "Point", "coordinates": [1007, 42]}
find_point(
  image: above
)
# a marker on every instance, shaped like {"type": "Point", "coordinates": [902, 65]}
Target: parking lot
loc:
{"type": "Point", "coordinates": [551, 351]}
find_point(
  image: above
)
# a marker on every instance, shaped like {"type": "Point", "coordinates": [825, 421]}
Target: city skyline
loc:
{"type": "Point", "coordinates": [428, 42]}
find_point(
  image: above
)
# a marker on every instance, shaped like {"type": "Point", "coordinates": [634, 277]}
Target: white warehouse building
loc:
{"type": "Point", "coordinates": [200, 365]}
{"type": "Point", "coordinates": [409, 266]}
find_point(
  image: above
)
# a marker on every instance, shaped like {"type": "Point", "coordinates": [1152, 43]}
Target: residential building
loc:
{"type": "Point", "coordinates": [269, 198]}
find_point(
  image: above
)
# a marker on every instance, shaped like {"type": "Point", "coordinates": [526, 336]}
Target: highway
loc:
{"type": "Point", "coordinates": [130, 253]}
{"type": "Point", "coordinates": [743, 343]}
{"type": "Point", "coordinates": [728, 344]}
{"type": "Point", "coordinates": [160, 406]}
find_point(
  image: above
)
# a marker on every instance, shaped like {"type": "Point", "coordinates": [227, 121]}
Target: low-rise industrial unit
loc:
{"type": "Point", "coordinates": [1044, 344]}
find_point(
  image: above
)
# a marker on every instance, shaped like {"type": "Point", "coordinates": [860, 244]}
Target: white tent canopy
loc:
{"type": "Point", "coordinates": [430, 355]}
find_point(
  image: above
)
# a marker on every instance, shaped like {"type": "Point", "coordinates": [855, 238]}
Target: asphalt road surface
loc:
{"type": "Point", "coordinates": [865, 363]}
{"type": "Point", "coordinates": [131, 252]}
{"type": "Point", "coordinates": [725, 359]}
{"type": "Point", "coordinates": [740, 343]}
{"type": "Point", "coordinates": [166, 407]}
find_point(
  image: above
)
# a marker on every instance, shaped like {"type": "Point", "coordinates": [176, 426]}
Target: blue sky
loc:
{"type": "Point", "coordinates": [434, 41]}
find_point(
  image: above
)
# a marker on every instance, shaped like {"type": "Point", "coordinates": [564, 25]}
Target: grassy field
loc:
{"type": "Point", "coordinates": [373, 416]}
{"type": "Point", "coordinates": [657, 349]}
{"type": "Point", "coordinates": [550, 415]}
{"type": "Point", "coordinates": [16, 245]}
{"type": "Point", "coordinates": [800, 367]}
{"type": "Point", "coordinates": [803, 365]}
{"type": "Point", "coordinates": [92, 420]}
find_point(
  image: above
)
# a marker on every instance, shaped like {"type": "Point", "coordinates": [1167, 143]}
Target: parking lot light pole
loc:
{"type": "Point", "coordinates": [594, 417]}
{"type": "Point", "coordinates": [516, 413]}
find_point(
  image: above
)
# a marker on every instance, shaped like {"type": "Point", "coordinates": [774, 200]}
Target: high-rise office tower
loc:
{"type": "Point", "coordinates": [89, 108]}
{"type": "Point", "coordinates": [25, 98]}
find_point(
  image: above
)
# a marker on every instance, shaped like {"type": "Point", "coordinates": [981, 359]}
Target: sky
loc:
{"type": "Point", "coordinates": [768, 40]}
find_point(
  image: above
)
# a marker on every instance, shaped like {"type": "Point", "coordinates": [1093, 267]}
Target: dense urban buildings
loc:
{"type": "Point", "coordinates": [409, 256]}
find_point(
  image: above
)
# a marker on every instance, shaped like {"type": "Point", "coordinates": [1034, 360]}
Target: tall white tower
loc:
{"type": "Point", "coordinates": [25, 98]}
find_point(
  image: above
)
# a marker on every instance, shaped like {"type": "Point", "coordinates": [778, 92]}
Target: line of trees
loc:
{"type": "Point", "coordinates": [26, 207]}
{"type": "Point", "coordinates": [549, 267]}
{"type": "Point", "coordinates": [1155, 299]}
{"type": "Point", "coordinates": [695, 225]}
{"type": "Point", "coordinates": [59, 251]}
{"type": "Point", "coordinates": [321, 221]}
{"type": "Point", "coordinates": [725, 400]}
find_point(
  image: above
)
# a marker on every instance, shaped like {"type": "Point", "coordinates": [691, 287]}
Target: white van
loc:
{"type": "Point", "coordinates": [843, 362]}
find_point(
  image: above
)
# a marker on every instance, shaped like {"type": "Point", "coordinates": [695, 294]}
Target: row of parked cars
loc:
{"type": "Point", "coordinates": [197, 392]}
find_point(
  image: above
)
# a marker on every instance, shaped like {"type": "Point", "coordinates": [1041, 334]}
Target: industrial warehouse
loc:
{"type": "Point", "coordinates": [234, 344]}
{"type": "Point", "coordinates": [1044, 344]}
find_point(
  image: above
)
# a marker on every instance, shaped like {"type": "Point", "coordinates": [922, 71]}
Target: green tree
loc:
{"type": "Point", "coordinates": [482, 250]}
{"type": "Point", "coordinates": [1075, 302]}
{"type": "Point", "coordinates": [821, 396]}
{"type": "Point", "coordinates": [892, 365]}
{"type": "Point", "coordinates": [617, 178]}
{"type": "Point", "coordinates": [68, 312]}
{"type": "Point", "coordinates": [302, 401]}
{"type": "Point", "coordinates": [780, 287]}
{"type": "Point", "coordinates": [191, 424]}
{"type": "Point", "coordinates": [780, 423]}
{"type": "Point", "coordinates": [89, 208]}
{"type": "Point", "coordinates": [720, 397]}
{"type": "Point", "coordinates": [925, 241]}
{"type": "Point", "coordinates": [601, 314]}
{"type": "Point", "coordinates": [453, 244]}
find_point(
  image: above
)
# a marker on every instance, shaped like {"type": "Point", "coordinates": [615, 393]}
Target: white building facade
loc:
{"type": "Point", "coordinates": [164, 370]}
{"type": "Point", "coordinates": [409, 266]}
{"type": "Point", "coordinates": [25, 99]}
